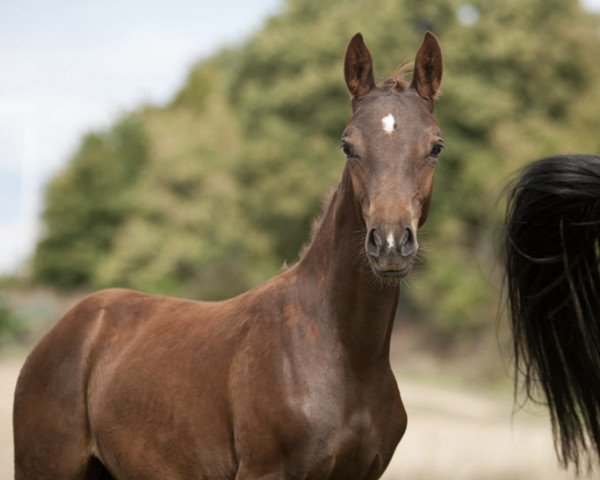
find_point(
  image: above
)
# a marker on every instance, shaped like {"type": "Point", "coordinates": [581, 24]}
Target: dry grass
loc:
{"type": "Point", "coordinates": [9, 370]}
{"type": "Point", "coordinates": [458, 434]}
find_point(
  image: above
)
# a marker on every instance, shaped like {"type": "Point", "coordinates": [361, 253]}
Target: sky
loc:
{"type": "Point", "coordinates": [70, 66]}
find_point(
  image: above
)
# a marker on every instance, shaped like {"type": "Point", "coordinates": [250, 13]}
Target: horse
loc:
{"type": "Point", "coordinates": [291, 379]}
{"type": "Point", "coordinates": [552, 264]}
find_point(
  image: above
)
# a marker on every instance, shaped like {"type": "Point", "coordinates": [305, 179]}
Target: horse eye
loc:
{"type": "Point", "coordinates": [348, 151]}
{"type": "Point", "coordinates": [437, 149]}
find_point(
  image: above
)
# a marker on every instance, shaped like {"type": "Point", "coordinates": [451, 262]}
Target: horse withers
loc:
{"type": "Point", "coordinates": [289, 380]}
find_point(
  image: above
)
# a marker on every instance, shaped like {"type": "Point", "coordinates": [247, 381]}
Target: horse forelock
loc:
{"type": "Point", "coordinates": [397, 79]}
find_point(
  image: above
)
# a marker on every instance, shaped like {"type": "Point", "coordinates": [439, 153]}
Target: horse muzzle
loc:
{"type": "Point", "coordinates": [391, 256]}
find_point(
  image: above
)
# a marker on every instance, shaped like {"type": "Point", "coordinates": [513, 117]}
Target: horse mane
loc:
{"type": "Point", "coordinates": [314, 228]}
{"type": "Point", "coordinates": [552, 259]}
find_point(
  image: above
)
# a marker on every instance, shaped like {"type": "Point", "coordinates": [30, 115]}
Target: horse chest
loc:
{"type": "Point", "coordinates": [326, 431]}
{"type": "Point", "coordinates": [364, 440]}
{"type": "Point", "coordinates": [354, 447]}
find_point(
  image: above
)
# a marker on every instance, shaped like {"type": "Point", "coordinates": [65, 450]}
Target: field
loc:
{"type": "Point", "coordinates": [456, 431]}
{"type": "Point", "coordinates": [460, 434]}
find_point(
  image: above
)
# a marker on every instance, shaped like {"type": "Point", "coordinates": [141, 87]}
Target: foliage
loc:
{"type": "Point", "coordinates": [210, 194]}
{"type": "Point", "coordinates": [11, 324]}
{"type": "Point", "coordinates": [87, 202]}
{"type": "Point", "coordinates": [187, 232]}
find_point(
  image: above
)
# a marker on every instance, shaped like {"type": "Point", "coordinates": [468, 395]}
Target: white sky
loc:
{"type": "Point", "coordinates": [69, 66]}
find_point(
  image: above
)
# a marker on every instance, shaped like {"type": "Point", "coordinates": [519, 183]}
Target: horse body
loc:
{"type": "Point", "coordinates": [289, 380]}
{"type": "Point", "coordinates": [329, 408]}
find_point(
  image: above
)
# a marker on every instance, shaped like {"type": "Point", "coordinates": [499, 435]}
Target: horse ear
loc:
{"type": "Point", "coordinates": [427, 76]}
{"type": "Point", "coordinates": [358, 68]}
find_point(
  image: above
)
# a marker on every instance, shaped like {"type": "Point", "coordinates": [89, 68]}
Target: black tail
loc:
{"type": "Point", "coordinates": [552, 256]}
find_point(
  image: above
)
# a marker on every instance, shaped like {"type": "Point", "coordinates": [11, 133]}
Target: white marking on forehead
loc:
{"type": "Point", "coordinates": [389, 123]}
{"type": "Point", "coordinates": [390, 241]}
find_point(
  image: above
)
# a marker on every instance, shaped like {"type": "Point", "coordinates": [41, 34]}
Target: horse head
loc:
{"type": "Point", "coordinates": [392, 144]}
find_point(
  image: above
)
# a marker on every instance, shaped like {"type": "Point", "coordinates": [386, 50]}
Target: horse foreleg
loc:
{"type": "Point", "coordinates": [51, 431]}
{"type": "Point", "coordinates": [49, 442]}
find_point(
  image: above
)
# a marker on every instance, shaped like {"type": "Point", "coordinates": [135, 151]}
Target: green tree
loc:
{"type": "Point", "coordinates": [187, 233]}
{"type": "Point", "coordinates": [87, 202]}
{"type": "Point", "coordinates": [509, 99]}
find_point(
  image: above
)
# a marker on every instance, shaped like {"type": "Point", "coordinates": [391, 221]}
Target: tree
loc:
{"type": "Point", "coordinates": [187, 233]}
{"type": "Point", "coordinates": [231, 173]}
{"type": "Point", "coordinates": [87, 202]}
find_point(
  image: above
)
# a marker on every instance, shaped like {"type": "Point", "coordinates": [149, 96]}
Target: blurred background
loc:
{"type": "Point", "coordinates": [184, 148]}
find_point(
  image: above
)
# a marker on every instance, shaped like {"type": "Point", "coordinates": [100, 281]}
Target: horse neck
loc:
{"type": "Point", "coordinates": [343, 289]}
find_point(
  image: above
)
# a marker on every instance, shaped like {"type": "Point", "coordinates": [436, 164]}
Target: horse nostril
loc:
{"type": "Point", "coordinates": [408, 242]}
{"type": "Point", "coordinates": [374, 243]}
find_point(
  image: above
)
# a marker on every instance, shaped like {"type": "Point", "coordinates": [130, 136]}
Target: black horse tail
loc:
{"type": "Point", "coordinates": [552, 257]}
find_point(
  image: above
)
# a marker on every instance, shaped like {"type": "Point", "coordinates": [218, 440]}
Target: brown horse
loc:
{"type": "Point", "coordinates": [289, 380]}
